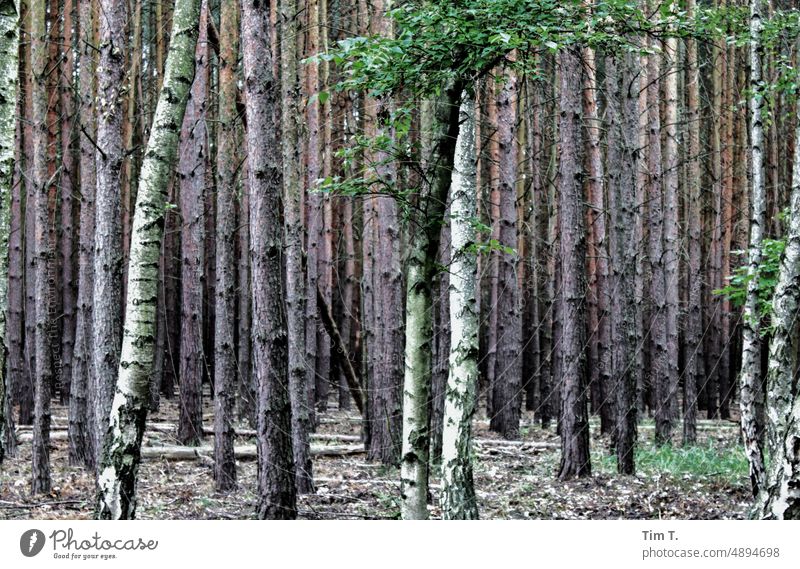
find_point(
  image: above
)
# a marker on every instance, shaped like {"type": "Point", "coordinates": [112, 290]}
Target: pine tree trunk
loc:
{"type": "Point", "coordinates": [107, 321]}
{"type": "Point", "coordinates": [81, 427]}
{"type": "Point", "coordinates": [659, 362]}
{"type": "Point", "coordinates": [43, 256]}
{"type": "Point", "coordinates": [694, 369]}
{"type": "Point", "coordinates": [751, 349]}
{"type": "Point", "coordinates": [506, 390]}
{"type": "Point", "coordinates": [224, 327]}
{"type": "Point", "coordinates": [277, 495]}
{"type": "Point", "coordinates": [192, 160]}
{"type": "Point", "coordinates": [458, 493]}
{"type": "Point", "coordinates": [622, 116]}
{"type": "Point", "coordinates": [574, 414]}
{"type": "Point", "coordinates": [247, 389]}
{"type": "Point", "coordinates": [671, 191]}
{"type": "Point", "coordinates": [600, 325]}
{"type": "Point", "coordinates": [293, 227]}
{"type": "Point", "coordinates": [9, 67]}
{"type": "Point", "coordinates": [122, 451]}
{"type": "Point", "coordinates": [69, 134]}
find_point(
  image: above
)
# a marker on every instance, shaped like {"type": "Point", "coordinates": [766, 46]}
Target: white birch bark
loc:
{"type": "Point", "coordinates": [458, 493]}
{"type": "Point", "coordinates": [751, 354]}
{"type": "Point", "coordinates": [779, 497]}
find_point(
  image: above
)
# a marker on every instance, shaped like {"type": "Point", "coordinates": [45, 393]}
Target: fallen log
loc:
{"type": "Point", "coordinates": [245, 452]}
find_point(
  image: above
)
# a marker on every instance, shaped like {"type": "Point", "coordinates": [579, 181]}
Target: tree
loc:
{"type": "Point", "coordinates": [107, 319]}
{"type": "Point", "coordinates": [293, 227]}
{"type": "Point", "coordinates": [421, 268]}
{"type": "Point", "coordinates": [9, 53]}
{"type": "Point", "coordinates": [81, 425]}
{"type": "Point", "coordinates": [778, 497]}
{"type": "Point", "coordinates": [224, 347]}
{"type": "Point", "coordinates": [623, 134]}
{"type": "Point", "coordinates": [122, 448]}
{"type": "Point", "coordinates": [458, 494]}
{"type": "Point", "coordinates": [693, 346]}
{"type": "Point", "coordinates": [192, 162]}
{"type": "Point", "coordinates": [574, 420]}
{"type": "Point", "coordinates": [750, 380]}
{"type": "Point", "coordinates": [506, 389]}
{"type": "Point", "coordinates": [43, 256]}
{"type": "Point", "coordinates": [277, 494]}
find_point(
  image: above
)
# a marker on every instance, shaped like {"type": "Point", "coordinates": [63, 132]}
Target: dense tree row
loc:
{"type": "Point", "coordinates": [542, 211]}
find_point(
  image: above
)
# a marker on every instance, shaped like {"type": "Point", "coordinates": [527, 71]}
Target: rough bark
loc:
{"type": "Point", "coordinates": [574, 414]}
{"type": "Point", "coordinates": [122, 451]}
{"type": "Point", "coordinates": [192, 162]}
{"type": "Point", "coordinates": [277, 495]}
{"type": "Point", "coordinates": [670, 232]}
{"type": "Point", "coordinates": [458, 493]}
{"type": "Point", "coordinates": [109, 109]}
{"type": "Point", "coordinates": [43, 256]}
{"type": "Point", "coordinates": [293, 228]}
{"type": "Point", "coordinates": [599, 320]}
{"type": "Point", "coordinates": [81, 433]}
{"type": "Point", "coordinates": [506, 390]}
{"type": "Point", "coordinates": [9, 67]}
{"type": "Point", "coordinates": [225, 316]}
{"type": "Point", "coordinates": [622, 116]}
{"type": "Point", "coordinates": [68, 179]}
{"type": "Point", "coordinates": [694, 368]}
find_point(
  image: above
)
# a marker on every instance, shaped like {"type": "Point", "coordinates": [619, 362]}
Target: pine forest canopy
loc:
{"type": "Point", "coordinates": [256, 252]}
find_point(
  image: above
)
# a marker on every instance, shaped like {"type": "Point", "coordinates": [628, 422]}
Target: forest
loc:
{"type": "Point", "coordinates": [410, 259]}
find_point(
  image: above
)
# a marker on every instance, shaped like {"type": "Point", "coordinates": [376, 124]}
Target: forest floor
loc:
{"type": "Point", "coordinates": [514, 479]}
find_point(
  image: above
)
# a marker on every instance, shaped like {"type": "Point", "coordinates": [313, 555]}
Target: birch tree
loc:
{"type": "Point", "coordinates": [122, 448]}
{"type": "Point", "coordinates": [750, 380]}
{"type": "Point", "coordinates": [423, 246]}
{"type": "Point", "coordinates": [458, 494]}
{"type": "Point", "coordinates": [778, 497]}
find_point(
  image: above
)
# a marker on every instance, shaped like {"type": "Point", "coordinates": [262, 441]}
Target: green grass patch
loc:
{"type": "Point", "coordinates": [721, 462]}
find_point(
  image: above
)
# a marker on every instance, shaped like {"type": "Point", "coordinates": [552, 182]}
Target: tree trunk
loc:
{"type": "Point", "coordinates": [277, 495]}
{"type": "Point", "coordinates": [421, 268]}
{"type": "Point", "coordinates": [694, 369]}
{"type": "Point", "coordinates": [225, 316]}
{"type": "Point", "coordinates": [9, 68]}
{"type": "Point", "coordinates": [192, 160]}
{"type": "Point", "coordinates": [670, 234]}
{"type": "Point", "coordinates": [600, 325]}
{"type": "Point", "coordinates": [574, 415]}
{"type": "Point", "coordinates": [293, 227]}
{"type": "Point", "coordinates": [68, 180]}
{"type": "Point", "coordinates": [122, 451]}
{"type": "Point", "coordinates": [778, 498]}
{"type": "Point", "coordinates": [506, 390]}
{"type": "Point", "coordinates": [82, 429]}
{"type": "Point", "coordinates": [458, 493]}
{"type": "Point", "coordinates": [43, 256]}
{"type": "Point", "coordinates": [751, 349]}
{"type": "Point", "coordinates": [107, 321]}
